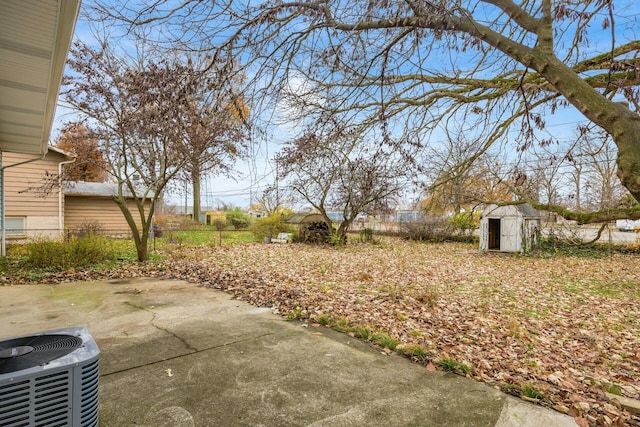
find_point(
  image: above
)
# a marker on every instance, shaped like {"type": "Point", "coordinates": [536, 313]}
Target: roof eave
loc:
{"type": "Point", "coordinates": [67, 17]}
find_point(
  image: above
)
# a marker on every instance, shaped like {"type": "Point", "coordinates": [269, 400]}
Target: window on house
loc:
{"type": "Point", "coordinates": [14, 226]}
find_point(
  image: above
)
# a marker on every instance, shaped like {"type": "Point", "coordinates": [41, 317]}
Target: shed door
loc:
{"type": "Point", "coordinates": [509, 238]}
{"type": "Point", "coordinates": [493, 237]}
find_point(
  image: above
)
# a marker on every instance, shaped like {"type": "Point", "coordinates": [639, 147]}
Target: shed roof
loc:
{"type": "Point", "coordinates": [524, 210]}
{"type": "Point", "coordinates": [99, 189]}
{"type": "Point", "coordinates": [527, 210]}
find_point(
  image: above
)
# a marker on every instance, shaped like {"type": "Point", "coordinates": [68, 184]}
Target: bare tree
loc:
{"type": "Point", "coordinates": [274, 199]}
{"type": "Point", "coordinates": [416, 64]}
{"type": "Point", "coordinates": [459, 178]}
{"type": "Point", "coordinates": [545, 169]}
{"type": "Point", "coordinates": [332, 167]}
{"type": "Point", "coordinates": [605, 191]}
{"type": "Point", "coordinates": [576, 176]}
{"type": "Point", "coordinates": [213, 122]}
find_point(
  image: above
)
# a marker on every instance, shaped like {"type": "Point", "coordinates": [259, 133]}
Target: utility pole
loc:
{"type": "Point", "coordinates": [277, 187]}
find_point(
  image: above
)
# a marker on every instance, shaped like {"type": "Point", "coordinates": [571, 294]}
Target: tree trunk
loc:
{"type": "Point", "coordinates": [195, 180]}
{"type": "Point", "coordinates": [142, 248]}
{"type": "Point", "coordinates": [140, 236]}
{"type": "Point", "coordinates": [342, 230]}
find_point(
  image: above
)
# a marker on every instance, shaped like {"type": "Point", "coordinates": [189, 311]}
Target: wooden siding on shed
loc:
{"type": "Point", "coordinates": [80, 210]}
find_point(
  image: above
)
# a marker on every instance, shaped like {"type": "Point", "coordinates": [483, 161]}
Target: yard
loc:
{"type": "Point", "coordinates": [561, 329]}
{"type": "Point", "coordinates": [558, 329]}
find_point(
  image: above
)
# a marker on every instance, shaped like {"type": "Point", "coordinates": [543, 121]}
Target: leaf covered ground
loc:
{"type": "Point", "coordinates": [567, 327]}
{"type": "Point", "coordinates": [560, 330]}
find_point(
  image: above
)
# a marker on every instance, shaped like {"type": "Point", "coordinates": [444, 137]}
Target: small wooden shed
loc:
{"type": "Point", "coordinates": [511, 228]}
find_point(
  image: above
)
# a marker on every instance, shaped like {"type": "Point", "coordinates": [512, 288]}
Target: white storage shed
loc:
{"type": "Point", "coordinates": [511, 228]}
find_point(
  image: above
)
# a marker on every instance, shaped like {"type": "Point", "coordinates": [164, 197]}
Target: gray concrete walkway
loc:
{"type": "Point", "coordinates": [174, 354]}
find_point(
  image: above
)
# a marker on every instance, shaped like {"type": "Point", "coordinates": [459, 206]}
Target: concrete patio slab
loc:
{"type": "Point", "coordinates": [175, 354]}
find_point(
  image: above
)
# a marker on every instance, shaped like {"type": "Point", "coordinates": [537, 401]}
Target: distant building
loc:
{"type": "Point", "coordinates": [410, 216]}
{"type": "Point", "coordinates": [257, 213]}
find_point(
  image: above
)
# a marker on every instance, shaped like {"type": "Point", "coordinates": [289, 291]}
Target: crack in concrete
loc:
{"type": "Point", "coordinates": [189, 354]}
{"type": "Point", "coordinates": [160, 328]}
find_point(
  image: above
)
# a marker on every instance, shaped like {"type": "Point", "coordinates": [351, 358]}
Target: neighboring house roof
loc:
{"type": "Point", "coordinates": [35, 38]}
{"type": "Point", "coordinates": [99, 189]}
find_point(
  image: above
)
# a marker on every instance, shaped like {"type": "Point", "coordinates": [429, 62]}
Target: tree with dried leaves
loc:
{"type": "Point", "coordinates": [461, 180]}
{"type": "Point", "coordinates": [132, 111]}
{"type": "Point", "coordinates": [332, 168]}
{"type": "Point", "coordinates": [214, 125]}
{"type": "Point", "coordinates": [90, 164]}
{"type": "Point", "coordinates": [150, 122]}
{"type": "Point", "coordinates": [411, 66]}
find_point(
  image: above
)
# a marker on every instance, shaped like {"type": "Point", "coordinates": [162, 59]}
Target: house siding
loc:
{"type": "Point", "coordinates": [81, 210]}
{"type": "Point", "coordinates": [39, 209]}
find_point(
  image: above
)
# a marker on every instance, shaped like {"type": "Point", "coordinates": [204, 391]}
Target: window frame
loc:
{"type": "Point", "coordinates": [12, 230]}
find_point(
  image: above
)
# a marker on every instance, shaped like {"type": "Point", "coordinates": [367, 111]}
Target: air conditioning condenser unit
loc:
{"type": "Point", "coordinates": [49, 379]}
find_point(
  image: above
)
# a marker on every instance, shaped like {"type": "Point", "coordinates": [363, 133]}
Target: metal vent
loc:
{"type": "Point", "coordinates": [58, 392]}
{"type": "Point", "coordinates": [89, 394]}
{"type": "Point", "coordinates": [52, 399]}
{"type": "Point", "coordinates": [14, 401]}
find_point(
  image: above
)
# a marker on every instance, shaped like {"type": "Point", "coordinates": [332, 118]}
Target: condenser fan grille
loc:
{"type": "Point", "coordinates": [27, 352]}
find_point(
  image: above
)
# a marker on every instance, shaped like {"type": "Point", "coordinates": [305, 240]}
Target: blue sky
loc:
{"type": "Point", "coordinates": [258, 172]}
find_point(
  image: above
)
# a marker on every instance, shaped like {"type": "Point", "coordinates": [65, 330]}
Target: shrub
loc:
{"type": "Point", "coordinates": [89, 227]}
{"type": "Point", "coordinates": [464, 223]}
{"type": "Point", "coordinates": [270, 226]}
{"type": "Point", "coordinates": [337, 240]}
{"type": "Point", "coordinates": [219, 224]}
{"type": "Point", "coordinates": [433, 230]}
{"type": "Point", "coordinates": [366, 235]}
{"type": "Point", "coordinates": [238, 219]}
{"type": "Point", "coordinates": [75, 252]}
